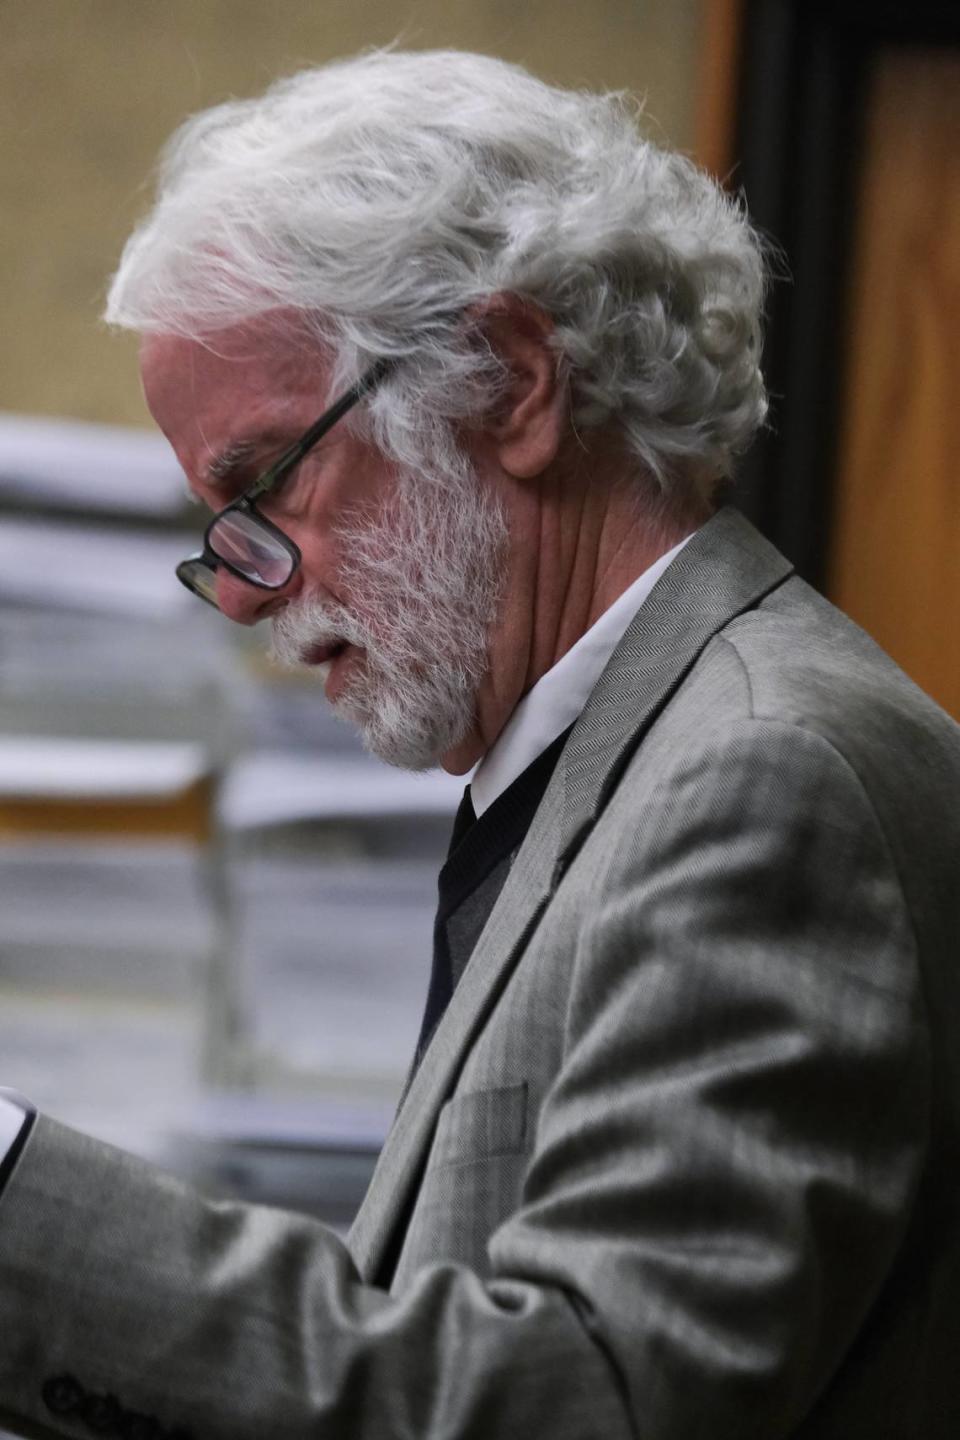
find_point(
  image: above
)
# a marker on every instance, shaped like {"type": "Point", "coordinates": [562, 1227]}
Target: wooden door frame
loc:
{"type": "Point", "coordinates": [799, 75]}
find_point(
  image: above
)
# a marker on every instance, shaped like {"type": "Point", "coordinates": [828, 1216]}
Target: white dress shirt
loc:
{"type": "Point", "coordinates": [559, 696]}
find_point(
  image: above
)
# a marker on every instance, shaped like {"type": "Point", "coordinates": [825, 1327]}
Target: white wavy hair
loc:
{"type": "Point", "coordinates": [387, 197]}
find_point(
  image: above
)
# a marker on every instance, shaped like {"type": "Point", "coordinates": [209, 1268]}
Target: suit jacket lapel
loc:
{"type": "Point", "coordinates": [725, 569]}
{"type": "Point", "coordinates": [519, 905]}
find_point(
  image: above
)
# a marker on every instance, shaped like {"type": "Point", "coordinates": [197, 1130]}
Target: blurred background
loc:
{"type": "Point", "coordinates": [217, 911]}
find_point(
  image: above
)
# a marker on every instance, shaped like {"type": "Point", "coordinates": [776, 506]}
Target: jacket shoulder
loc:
{"type": "Point", "coordinates": [804, 662]}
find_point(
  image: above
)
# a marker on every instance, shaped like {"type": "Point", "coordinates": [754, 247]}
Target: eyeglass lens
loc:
{"type": "Point", "coordinates": [199, 577]}
{"type": "Point", "coordinates": [251, 549]}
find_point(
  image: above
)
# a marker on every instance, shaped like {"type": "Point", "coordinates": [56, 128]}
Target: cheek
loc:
{"type": "Point", "coordinates": [351, 495]}
{"type": "Point", "coordinates": [324, 578]}
{"type": "Point", "coordinates": [321, 567]}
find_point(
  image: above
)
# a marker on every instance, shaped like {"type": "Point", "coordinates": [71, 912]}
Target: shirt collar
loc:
{"type": "Point", "coordinates": [558, 697]}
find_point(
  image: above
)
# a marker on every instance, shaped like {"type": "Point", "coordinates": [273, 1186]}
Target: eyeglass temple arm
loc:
{"type": "Point", "coordinates": [368, 381]}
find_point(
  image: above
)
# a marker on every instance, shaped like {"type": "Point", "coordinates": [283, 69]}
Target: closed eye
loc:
{"type": "Point", "coordinates": [227, 467]}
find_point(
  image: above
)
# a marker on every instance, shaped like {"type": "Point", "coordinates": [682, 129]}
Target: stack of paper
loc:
{"type": "Point", "coordinates": [83, 769]}
{"type": "Point", "coordinates": [281, 788]}
{"type": "Point", "coordinates": [315, 1154]}
{"type": "Point", "coordinates": [75, 465]}
{"type": "Point", "coordinates": [107, 945]}
{"type": "Point", "coordinates": [93, 568]}
{"type": "Point", "coordinates": [121, 974]}
{"type": "Point", "coordinates": [105, 958]}
{"type": "Point", "coordinates": [333, 964]}
{"type": "Point", "coordinates": [333, 882]}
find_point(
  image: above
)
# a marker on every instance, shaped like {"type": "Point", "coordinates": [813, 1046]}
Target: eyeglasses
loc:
{"type": "Point", "coordinates": [244, 541]}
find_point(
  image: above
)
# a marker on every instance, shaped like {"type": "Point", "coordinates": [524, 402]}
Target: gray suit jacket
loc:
{"type": "Point", "coordinates": [681, 1162]}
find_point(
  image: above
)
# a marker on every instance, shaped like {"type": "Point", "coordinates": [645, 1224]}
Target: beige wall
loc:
{"type": "Point", "coordinates": [89, 89]}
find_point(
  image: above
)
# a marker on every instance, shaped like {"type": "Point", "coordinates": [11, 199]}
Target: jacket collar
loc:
{"type": "Point", "coordinates": [725, 569]}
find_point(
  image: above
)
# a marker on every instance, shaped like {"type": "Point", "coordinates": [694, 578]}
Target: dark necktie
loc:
{"type": "Point", "coordinates": [476, 869]}
{"type": "Point", "coordinates": [478, 862]}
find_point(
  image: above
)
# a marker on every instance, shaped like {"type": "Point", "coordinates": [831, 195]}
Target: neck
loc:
{"type": "Point", "coordinates": [577, 543]}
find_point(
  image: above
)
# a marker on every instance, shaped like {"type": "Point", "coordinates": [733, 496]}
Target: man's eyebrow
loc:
{"type": "Point", "coordinates": [229, 460]}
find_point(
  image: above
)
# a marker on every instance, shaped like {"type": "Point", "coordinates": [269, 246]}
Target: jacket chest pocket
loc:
{"type": "Point", "coordinates": [481, 1124]}
{"type": "Point", "coordinates": [472, 1182]}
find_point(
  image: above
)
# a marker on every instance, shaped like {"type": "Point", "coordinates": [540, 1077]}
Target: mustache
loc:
{"type": "Point", "coordinates": [310, 624]}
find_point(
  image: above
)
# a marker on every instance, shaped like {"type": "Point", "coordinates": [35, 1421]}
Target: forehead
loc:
{"type": "Point", "coordinates": [262, 371]}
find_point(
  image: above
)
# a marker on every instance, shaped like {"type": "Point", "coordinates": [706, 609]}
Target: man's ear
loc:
{"type": "Point", "coordinates": [527, 427]}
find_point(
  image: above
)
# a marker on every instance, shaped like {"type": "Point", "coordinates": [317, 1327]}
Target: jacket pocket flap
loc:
{"type": "Point", "coordinates": [481, 1123]}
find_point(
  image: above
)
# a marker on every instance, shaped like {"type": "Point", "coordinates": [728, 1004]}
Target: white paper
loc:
{"type": "Point", "coordinates": [277, 788]}
{"type": "Point", "coordinates": [78, 465]}
{"type": "Point", "coordinates": [97, 769]}
{"type": "Point", "coordinates": [64, 898]}
{"type": "Point", "coordinates": [333, 961]}
{"type": "Point", "coordinates": [320, 1119]}
{"type": "Point", "coordinates": [11, 1123]}
{"type": "Point", "coordinates": [89, 567]}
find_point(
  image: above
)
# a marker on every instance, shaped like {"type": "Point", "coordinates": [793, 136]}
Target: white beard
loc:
{"type": "Point", "coordinates": [429, 572]}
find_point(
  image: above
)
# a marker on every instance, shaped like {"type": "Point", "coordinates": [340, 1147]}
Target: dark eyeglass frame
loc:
{"type": "Point", "coordinates": [198, 572]}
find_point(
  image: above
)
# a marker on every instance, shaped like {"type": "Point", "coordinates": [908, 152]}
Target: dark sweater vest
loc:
{"type": "Point", "coordinates": [478, 862]}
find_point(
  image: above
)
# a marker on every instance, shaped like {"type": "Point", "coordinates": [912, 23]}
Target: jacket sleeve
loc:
{"type": "Point", "coordinates": [722, 1173]}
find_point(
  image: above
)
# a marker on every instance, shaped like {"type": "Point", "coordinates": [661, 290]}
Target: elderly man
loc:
{"type": "Point", "coordinates": [459, 361]}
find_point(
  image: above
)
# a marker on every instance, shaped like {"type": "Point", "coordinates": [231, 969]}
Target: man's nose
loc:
{"type": "Point", "coordinates": [247, 604]}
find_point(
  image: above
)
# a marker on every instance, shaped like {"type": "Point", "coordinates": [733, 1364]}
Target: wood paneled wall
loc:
{"type": "Point", "coordinates": [895, 562]}
{"type": "Point", "coordinates": [715, 116]}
